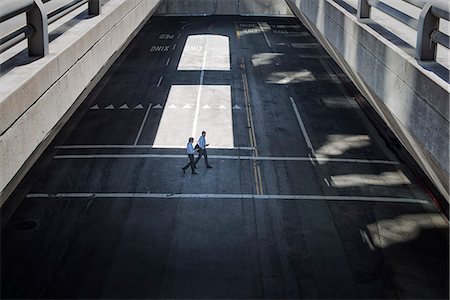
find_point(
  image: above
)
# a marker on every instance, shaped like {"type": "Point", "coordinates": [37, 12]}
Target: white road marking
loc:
{"type": "Point", "coordinates": [267, 158]}
{"type": "Point", "coordinates": [228, 196]}
{"type": "Point", "coordinates": [138, 147]}
{"type": "Point", "coordinates": [172, 106]}
{"type": "Point", "coordinates": [142, 124]}
{"type": "Point", "coordinates": [221, 106]}
{"type": "Point", "coordinates": [168, 61]}
{"type": "Point", "coordinates": [157, 106]}
{"type": "Point", "coordinates": [206, 106]}
{"type": "Point", "coordinates": [139, 106]}
{"type": "Point", "coordinates": [265, 36]}
{"type": "Point", "coordinates": [125, 106]}
{"type": "Point", "coordinates": [166, 36]}
{"type": "Point", "coordinates": [327, 182]}
{"type": "Point", "coordinates": [199, 94]}
{"type": "Point", "coordinates": [95, 107]}
{"type": "Point", "coordinates": [109, 107]}
{"type": "Point", "coordinates": [159, 48]}
{"type": "Point", "coordinates": [179, 35]}
{"type": "Point", "coordinates": [236, 107]}
{"type": "Point", "coordinates": [302, 126]}
{"type": "Point", "coordinates": [174, 46]}
{"type": "Point", "coordinates": [366, 240]}
{"type": "Point", "coordinates": [159, 81]}
{"type": "Point", "coordinates": [187, 106]}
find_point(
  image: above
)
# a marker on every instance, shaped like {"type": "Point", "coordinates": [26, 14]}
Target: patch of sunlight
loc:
{"type": "Point", "coordinates": [189, 110]}
{"type": "Point", "coordinates": [264, 59]}
{"type": "Point", "coordinates": [205, 52]}
{"type": "Point", "coordinates": [338, 144]}
{"type": "Point", "coordinates": [404, 228]}
{"type": "Point", "coordinates": [383, 179]}
{"type": "Point", "coordinates": [290, 77]}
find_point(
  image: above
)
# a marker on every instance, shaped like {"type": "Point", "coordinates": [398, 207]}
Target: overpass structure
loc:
{"type": "Point", "coordinates": [328, 125]}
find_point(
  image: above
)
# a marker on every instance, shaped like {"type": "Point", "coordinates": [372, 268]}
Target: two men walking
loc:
{"type": "Point", "coordinates": [201, 144]}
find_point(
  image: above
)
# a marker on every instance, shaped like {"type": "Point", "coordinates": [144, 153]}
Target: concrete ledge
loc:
{"type": "Point", "coordinates": [224, 7]}
{"type": "Point", "coordinates": [35, 96]}
{"type": "Point", "coordinates": [411, 100]}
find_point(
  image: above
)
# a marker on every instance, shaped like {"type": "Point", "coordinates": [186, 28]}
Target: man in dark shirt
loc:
{"type": "Point", "coordinates": [202, 152]}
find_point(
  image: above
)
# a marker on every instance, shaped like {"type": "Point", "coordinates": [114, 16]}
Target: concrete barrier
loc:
{"type": "Point", "coordinates": [224, 7]}
{"type": "Point", "coordinates": [411, 100]}
{"type": "Point", "coordinates": [36, 96]}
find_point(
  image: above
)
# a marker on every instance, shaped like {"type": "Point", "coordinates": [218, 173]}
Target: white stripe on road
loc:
{"type": "Point", "coordinates": [265, 36]}
{"type": "Point", "coordinates": [302, 126]}
{"type": "Point", "coordinates": [143, 147]}
{"type": "Point", "coordinates": [233, 157]}
{"type": "Point", "coordinates": [168, 61]}
{"type": "Point", "coordinates": [199, 94]}
{"type": "Point", "coordinates": [142, 125]}
{"type": "Point", "coordinates": [228, 196]}
{"type": "Point", "coordinates": [159, 81]}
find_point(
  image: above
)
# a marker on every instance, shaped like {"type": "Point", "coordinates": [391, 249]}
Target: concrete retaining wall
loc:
{"type": "Point", "coordinates": [411, 100]}
{"type": "Point", "coordinates": [36, 95]}
{"type": "Point", "coordinates": [224, 7]}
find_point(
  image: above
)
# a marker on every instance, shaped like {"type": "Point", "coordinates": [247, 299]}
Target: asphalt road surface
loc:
{"type": "Point", "coordinates": [305, 200]}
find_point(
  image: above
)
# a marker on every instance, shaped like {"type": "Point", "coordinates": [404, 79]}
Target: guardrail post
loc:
{"type": "Point", "coordinates": [425, 47]}
{"type": "Point", "coordinates": [95, 7]}
{"type": "Point", "coordinates": [37, 19]}
{"type": "Point", "coordinates": [363, 9]}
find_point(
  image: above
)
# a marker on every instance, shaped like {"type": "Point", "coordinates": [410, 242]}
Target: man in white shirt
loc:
{"type": "Point", "coordinates": [190, 152]}
{"type": "Point", "coordinates": [202, 152]}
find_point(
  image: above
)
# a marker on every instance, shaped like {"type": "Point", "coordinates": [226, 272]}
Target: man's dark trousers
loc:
{"type": "Point", "coordinates": [190, 163]}
{"type": "Point", "coordinates": [201, 153]}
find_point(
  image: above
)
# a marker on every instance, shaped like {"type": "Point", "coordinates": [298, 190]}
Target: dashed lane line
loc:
{"type": "Point", "coordinates": [159, 81]}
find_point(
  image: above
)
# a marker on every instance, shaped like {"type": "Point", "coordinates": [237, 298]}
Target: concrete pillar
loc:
{"type": "Point", "coordinates": [363, 9]}
{"type": "Point", "coordinates": [428, 23]}
{"type": "Point", "coordinates": [37, 19]}
{"type": "Point", "coordinates": [95, 7]}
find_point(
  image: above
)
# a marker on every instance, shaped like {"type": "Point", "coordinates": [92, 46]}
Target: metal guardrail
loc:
{"type": "Point", "coordinates": [37, 21]}
{"type": "Point", "coordinates": [427, 26]}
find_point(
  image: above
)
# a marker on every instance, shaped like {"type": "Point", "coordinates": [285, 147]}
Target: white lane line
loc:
{"type": "Point", "coordinates": [327, 182]}
{"type": "Point", "coordinates": [302, 126]}
{"type": "Point", "coordinates": [265, 36]}
{"type": "Point", "coordinates": [140, 128]}
{"type": "Point", "coordinates": [199, 94]}
{"type": "Point", "coordinates": [179, 35]}
{"type": "Point", "coordinates": [174, 46]}
{"type": "Point", "coordinates": [141, 147]}
{"type": "Point", "coordinates": [233, 157]}
{"type": "Point", "coordinates": [366, 240]}
{"type": "Point", "coordinates": [159, 81]}
{"type": "Point", "coordinates": [168, 61]}
{"type": "Point", "coordinates": [227, 196]}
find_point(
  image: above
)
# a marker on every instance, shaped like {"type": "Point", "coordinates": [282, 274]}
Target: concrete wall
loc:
{"type": "Point", "coordinates": [36, 95]}
{"type": "Point", "coordinates": [412, 101]}
{"type": "Point", "coordinates": [224, 7]}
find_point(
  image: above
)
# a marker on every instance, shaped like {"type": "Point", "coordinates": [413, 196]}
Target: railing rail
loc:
{"type": "Point", "coordinates": [37, 21]}
{"type": "Point", "coordinates": [427, 26]}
